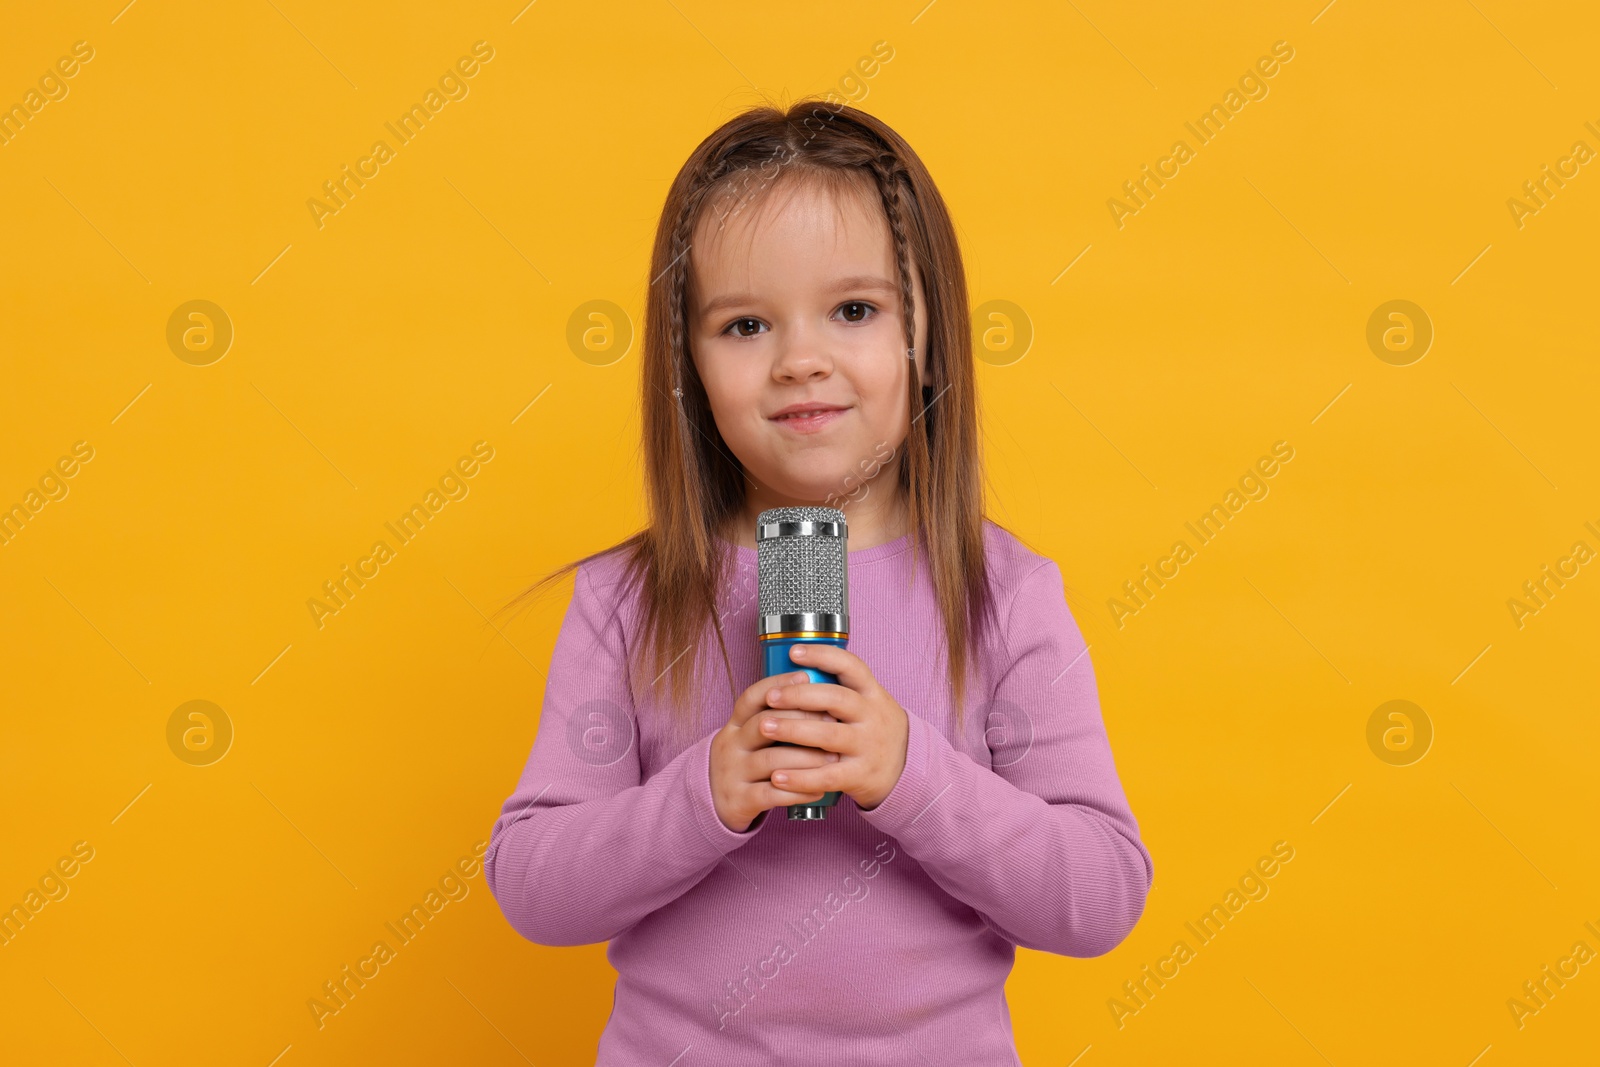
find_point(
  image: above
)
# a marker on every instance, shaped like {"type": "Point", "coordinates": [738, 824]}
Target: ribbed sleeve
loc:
{"type": "Point", "coordinates": [585, 847]}
{"type": "Point", "coordinates": [1043, 845]}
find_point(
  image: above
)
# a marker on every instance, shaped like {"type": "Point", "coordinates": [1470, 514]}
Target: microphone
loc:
{"type": "Point", "coordinates": [803, 575]}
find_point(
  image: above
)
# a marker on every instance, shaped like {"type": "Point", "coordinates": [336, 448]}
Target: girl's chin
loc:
{"type": "Point", "coordinates": [809, 484]}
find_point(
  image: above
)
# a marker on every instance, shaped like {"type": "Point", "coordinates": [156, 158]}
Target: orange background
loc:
{"type": "Point", "coordinates": [370, 754]}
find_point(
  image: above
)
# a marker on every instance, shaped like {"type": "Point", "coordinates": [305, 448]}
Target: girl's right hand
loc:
{"type": "Point", "coordinates": [742, 759]}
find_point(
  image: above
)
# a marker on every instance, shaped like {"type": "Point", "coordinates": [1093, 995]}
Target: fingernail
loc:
{"type": "Point", "coordinates": [801, 677]}
{"type": "Point", "coordinates": [797, 652]}
{"type": "Point", "coordinates": [780, 778]}
{"type": "Point", "coordinates": [769, 726]}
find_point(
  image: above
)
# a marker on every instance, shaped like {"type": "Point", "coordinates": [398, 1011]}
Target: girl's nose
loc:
{"type": "Point", "coordinates": [802, 357]}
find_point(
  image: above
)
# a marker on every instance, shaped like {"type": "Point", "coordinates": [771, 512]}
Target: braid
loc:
{"type": "Point", "coordinates": [888, 175]}
{"type": "Point", "coordinates": [920, 473]}
{"type": "Point", "coordinates": [678, 270]}
{"type": "Point", "coordinates": [698, 494]}
{"type": "Point", "coordinates": [677, 341]}
{"type": "Point", "coordinates": [916, 472]}
{"type": "Point", "coordinates": [693, 492]}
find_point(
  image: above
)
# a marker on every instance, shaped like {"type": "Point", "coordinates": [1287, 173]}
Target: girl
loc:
{"type": "Point", "coordinates": [807, 342]}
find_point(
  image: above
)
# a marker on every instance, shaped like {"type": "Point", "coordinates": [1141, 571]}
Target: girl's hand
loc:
{"type": "Point", "coordinates": [742, 760]}
{"type": "Point", "coordinates": [869, 738]}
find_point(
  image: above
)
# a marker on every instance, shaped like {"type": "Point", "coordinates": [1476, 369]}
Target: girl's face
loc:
{"type": "Point", "coordinates": [796, 331]}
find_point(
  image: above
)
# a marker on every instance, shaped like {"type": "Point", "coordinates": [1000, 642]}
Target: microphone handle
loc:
{"type": "Point", "coordinates": [775, 660]}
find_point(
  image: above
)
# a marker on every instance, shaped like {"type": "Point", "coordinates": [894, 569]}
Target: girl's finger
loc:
{"type": "Point", "coordinates": [786, 757]}
{"type": "Point", "coordinates": [754, 698]}
{"type": "Point", "coordinates": [770, 796]}
{"type": "Point", "coordinates": [811, 781]}
{"type": "Point", "coordinates": [750, 734]}
{"type": "Point", "coordinates": [841, 663]}
{"type": "Point", "coordinates": [831, 736]}
{"type": "Point", "coordinates": [842, 703]}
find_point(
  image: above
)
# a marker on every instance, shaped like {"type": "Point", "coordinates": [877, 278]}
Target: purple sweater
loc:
{"type": "Point", "coordinates": [880, 936]}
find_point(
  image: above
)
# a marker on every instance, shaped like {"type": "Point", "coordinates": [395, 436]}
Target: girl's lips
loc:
{"type": "Point", "coordinates": [809, 421]}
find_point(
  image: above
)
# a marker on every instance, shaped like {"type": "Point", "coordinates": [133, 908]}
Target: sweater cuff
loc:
{"type": "Point", "coordinates": [914, 792]}
{"type": "Point", "coordinates": [697, 778]}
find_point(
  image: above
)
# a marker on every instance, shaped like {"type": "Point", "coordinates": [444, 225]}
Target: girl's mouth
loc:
{"type": "Point", "coordinates": [807, 418]}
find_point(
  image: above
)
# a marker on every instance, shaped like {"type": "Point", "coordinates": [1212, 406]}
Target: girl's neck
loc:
{"type": "Point", "coordinates": [876, 519]}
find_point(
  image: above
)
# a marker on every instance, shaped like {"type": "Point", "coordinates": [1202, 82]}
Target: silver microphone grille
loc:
{"type": "Point", "coordinates": [800, 561]}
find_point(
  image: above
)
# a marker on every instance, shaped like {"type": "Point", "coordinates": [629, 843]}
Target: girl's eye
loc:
{"type": "Point", "coordinates": [856, 311]}
{"type": "Point", "coordinates": [736, 327]}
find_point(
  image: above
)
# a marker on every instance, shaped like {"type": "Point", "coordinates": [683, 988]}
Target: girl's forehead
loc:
{"type": "Point", "coordinates": [736, 235]}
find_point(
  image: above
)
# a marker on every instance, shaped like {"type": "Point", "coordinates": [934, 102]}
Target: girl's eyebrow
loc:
{"type": "Point", "coordinates": [855, 283]}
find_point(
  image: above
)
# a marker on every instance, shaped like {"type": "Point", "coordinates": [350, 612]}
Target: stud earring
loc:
{"type": "Point", "coordinates": [911, 353]}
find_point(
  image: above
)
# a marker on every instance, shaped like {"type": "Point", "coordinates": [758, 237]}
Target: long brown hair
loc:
{"type": "Point", "coordinates": [695, 486]}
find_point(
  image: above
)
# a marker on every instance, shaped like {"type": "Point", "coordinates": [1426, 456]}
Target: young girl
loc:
{"type": "Point", "coordinates": [807, 342]}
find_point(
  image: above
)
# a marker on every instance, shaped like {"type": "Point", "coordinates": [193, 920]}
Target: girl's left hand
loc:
{"type": "Point", "coordinates": [870, 736]}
